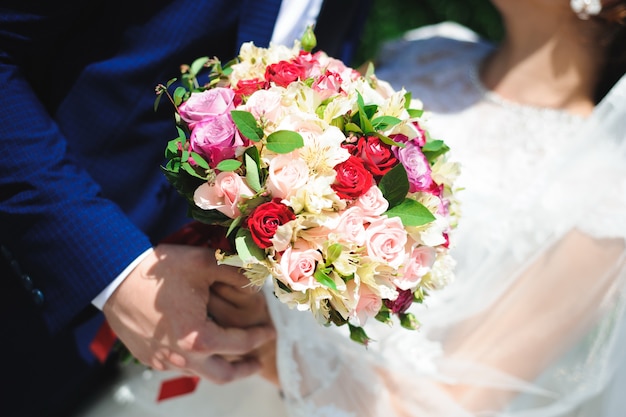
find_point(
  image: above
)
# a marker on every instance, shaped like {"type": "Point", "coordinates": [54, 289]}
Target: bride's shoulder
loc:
{"type": "Point", "coordinates": [434, 45]}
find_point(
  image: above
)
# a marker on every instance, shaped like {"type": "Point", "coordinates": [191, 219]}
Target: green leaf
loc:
{"type": "Point", "coordinates": [366, 124]}
{"type": "Point", "coordinates": [252, 173]}
{"type": "Point", "coordinates": [179, 93]}
{"type": "Point", "coordinates": [253, 152]}
{"type": "Point", "coordinates": [190, 170]}
{"type": "Point", "coordinates": [415, 113]}
{"type": "Point", "coordinates": [385, 122]}
{"type": "Point", "coordinates": [395, 185]}
{"type": "Point", "coordinates": [411, 212]}
{"type": "Point", "coordinates": [407, 100]}
{"type": "Point", "coordinates": [353, 127]}
{"type": "Point", "coordinates": [173, 165]}
{"type": "Point", "coordinates": [323, 278]}
{"type": "Point", "coordinates": [236, 222]}
{"type": "Point", "coordinates": [228, 165]}
{"type": "Point", "coordinates": [358, 335]}
{"type": "Point", "coordinates": [370, 110]}
{"type": "Point", "coordinates": [200, 161]}
{"type": "Point", "coordinates": [170, 82]}
{"type": "Point", "coordinates": [433, 149]}
{"type": "Point", "coordinates": [284, 141]}
{"type": "Point", "coordinates": [171, 150]}
{"type": "Point", "coordinates": [434, 146]}
{"type": "Point", "coordinates": [181, 134]}
{"type": "Point", "coordinates": [208, 216]}
{"type": "Point", "coordinates": [387, 140]}
{"type": "Point", "coordinates": [246, 248]}
{"type": "Point", "coordinates": [333, 253]}
{"type": "Point", "coordinates": [247, 125]}
{"type": "Point", "coordinates": [338, 122]}
{"type": "Point", "coordinates": [283, 286]}
{"type": "Point", "coordinates": [197, 65]}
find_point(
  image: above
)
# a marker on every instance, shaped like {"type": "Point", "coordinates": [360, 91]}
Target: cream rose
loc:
{"type": "Point", "coordinates": [287, 173]}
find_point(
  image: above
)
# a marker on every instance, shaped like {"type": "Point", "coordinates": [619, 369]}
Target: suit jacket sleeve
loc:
{"type": "Point", "coordinates": [65, 235]}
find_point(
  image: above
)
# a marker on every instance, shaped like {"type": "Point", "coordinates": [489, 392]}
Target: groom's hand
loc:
{"type": "Point", "coordinates": [160, 313]}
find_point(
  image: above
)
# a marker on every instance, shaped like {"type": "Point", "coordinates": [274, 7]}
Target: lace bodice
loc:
{"type": "Point", "coordinates": [505, 148]}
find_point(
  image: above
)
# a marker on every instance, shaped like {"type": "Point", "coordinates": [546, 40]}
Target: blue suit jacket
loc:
{"type": "Point", "coordinates": [81, 193]}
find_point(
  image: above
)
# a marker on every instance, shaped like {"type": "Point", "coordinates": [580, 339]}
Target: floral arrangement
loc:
{"type": "Point", "coordinates": [325, 180]}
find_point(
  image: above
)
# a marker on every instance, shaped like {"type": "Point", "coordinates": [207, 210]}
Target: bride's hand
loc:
{"type": "Point", "coordinates": [232, 306]}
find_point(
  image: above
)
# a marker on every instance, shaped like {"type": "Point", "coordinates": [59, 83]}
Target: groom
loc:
{"type": "Point", "coordinates": [83, 203]}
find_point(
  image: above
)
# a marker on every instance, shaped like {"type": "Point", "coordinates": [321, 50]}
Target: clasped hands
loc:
{"type": "Point", "coordinates": [179, 310]}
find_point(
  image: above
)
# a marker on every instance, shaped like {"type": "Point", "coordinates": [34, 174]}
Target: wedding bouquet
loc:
{"type": "Point", "coordinates": [325, 180]}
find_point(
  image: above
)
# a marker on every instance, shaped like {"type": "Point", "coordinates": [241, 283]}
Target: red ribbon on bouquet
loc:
{"type": "Point", "coordinates": [193, 234]}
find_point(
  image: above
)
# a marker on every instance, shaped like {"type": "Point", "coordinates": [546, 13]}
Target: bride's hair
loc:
{"type": "Point", "coordinates": [613, 17]}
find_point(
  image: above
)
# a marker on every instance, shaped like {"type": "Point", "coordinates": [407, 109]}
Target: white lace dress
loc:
{"type": "Point", "coordinates": [533, 325]}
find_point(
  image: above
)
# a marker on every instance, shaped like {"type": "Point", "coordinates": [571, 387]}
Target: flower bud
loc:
{"type": "Point", "coordinates": [308, 40]}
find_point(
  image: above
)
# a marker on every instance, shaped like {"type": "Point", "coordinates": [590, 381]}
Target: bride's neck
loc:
{"type": "Point", "coordinates": [547, 65]}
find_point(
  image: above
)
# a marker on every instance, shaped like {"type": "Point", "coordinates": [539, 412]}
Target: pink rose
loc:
{"type": "Point", "coordinates": [298, 267]}
{"type": "Point", "coordinates": [265, 104]}
{"type": "Point", "coordinates": [416, 166]}
{"type": "Point", "coordinates": [368, 303]}
{"type": "Point", "coordinates": [287, 174]}
{"type": "Point", "coordinates": [224, 195]}
{"type": "Point", "coordinates": [418, 262]}
{"type": "Point", "coordinates": [351, 226]}
{"type": "Point", "coordinates": [210, 103]}
{"type": "Point", "coordinates": [310, 63]}
{"type": "Point", "coordinates": [327, 85]}
{"type": "Point", "coordinates": [216, 138]}
{"type": "Point", "coordinates": [385, 241]}
{"type": "Point", "coordinates": [372, 202]}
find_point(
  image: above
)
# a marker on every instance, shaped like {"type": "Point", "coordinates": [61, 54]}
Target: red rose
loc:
{"type": "Point", "coordinates": [400, 304]}
{"type": "Point", "coordinates": [352, 180]}
{"type": "Point", "coordinates": [377, 156]}
{"type": "Point", "coordinates": [247, 87]}
{"type": "Point", "coordinates": [284, 72]}
{"type": "Point", "coordinates": [265, 219]}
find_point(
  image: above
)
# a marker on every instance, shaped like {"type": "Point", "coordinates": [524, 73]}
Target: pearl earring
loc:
{"type": "Point", "coordinates": [586, 8]}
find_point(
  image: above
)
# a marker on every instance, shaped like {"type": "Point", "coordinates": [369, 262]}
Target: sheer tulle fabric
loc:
{"type": "Point", "coordinates": [534, 324]}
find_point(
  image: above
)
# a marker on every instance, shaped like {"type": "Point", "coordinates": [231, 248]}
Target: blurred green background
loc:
{"type": "Point", "coordinates": [388, 19]}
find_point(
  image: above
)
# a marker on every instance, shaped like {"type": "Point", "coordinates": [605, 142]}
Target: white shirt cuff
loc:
{"type": "Point", "coordinates": [106, 293]}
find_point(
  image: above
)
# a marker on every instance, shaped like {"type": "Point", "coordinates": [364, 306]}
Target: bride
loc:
{"type": "Point", "coordinates": [534, 324]}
